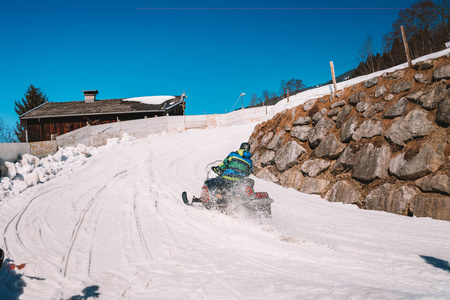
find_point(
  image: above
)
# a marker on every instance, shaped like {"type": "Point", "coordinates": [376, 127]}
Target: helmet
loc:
{"type": "Point", "coordinates": [245, 146]}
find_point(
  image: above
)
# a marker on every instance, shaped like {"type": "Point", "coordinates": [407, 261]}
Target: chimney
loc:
{"type": "Point", "coordinates": [89, 96]}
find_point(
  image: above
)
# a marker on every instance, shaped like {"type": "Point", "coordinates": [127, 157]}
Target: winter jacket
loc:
{"type": "Point", "coordinates": [237, 165]}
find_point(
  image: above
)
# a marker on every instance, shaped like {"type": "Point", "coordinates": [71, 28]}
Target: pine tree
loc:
{"type": "Point", "coordinates": [33, 98]}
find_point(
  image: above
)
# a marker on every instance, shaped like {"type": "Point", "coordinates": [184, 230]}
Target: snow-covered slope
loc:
{"type": "Point", "coordinates": [114, 226]}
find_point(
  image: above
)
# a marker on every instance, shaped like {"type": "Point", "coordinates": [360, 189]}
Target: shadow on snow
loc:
{"type": "Point", "coordinates": [88, 292]}
{"type": "Point", "coordinates": [436, 262]}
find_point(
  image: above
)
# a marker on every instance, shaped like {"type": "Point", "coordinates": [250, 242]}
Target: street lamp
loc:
{"type": "Point", "coordinates": [242, 103]}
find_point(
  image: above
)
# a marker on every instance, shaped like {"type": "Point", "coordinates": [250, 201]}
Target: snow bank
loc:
{"type": "Point", "coordinates": [150, 99]}
{"type": "Point", "coordinates": [30, 170]}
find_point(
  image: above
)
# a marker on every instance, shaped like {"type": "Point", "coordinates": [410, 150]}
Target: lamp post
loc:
{"type": "Point", "coordinates": [242, 103]}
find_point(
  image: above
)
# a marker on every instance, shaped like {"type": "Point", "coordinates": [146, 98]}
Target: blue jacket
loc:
{"type": "Point", "coordinates": [237, 165]}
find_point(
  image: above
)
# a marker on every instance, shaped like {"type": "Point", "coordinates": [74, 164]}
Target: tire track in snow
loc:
{"type": "Point", "coordinates": [140, 228]}
{"type": "Point", "coordinates": [19, 217]}
{"type": "Point", "coordinates": [66, 258]}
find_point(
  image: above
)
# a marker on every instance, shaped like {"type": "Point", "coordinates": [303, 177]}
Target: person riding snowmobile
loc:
{"type": "Point", "coordinates": [233, 189]}
{"type": "Point", "coordinates": [235, 167]}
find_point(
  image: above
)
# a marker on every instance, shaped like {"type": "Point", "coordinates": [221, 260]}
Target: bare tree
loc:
{"type": "Point", "coordinates": [366, 55]}
{"type": "Point", "coordinates": [293, 85]}
{"type": "Point", "coordinates": [7, 134]}
{"type": "Point", "coordinates": [420, 22]}
{"type": "Point", "coordinates": [253, 100]}
{"type": "Point", "coordinates": [266, 96]}
{"type": "Point", "coordinates": [443, 16]}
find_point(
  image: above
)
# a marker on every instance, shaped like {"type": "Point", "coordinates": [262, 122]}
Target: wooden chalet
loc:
{"type": "Point", "coordinates": [51, 119]}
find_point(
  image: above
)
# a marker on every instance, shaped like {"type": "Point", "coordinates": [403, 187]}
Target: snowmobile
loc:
{"type": "Point", "coordinates": [235, 195]}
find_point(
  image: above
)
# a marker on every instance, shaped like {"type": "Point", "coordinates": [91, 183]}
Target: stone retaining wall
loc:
{"type": "Point", "coordinates": [382, 144]}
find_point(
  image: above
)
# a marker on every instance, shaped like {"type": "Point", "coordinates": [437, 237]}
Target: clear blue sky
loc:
{"type": "Point", "coordinates": [212, 50]}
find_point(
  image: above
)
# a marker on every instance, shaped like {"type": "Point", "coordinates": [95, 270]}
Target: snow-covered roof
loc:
{"type": "Point", "coordinates": [150, 99]}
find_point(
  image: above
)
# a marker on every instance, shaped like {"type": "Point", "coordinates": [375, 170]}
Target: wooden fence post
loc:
{"type": "Point", "coordinates": [405, 43]}
{"type": "Point", "coordinates": [287, 95]}
{"type": "Point", "coordinates": [332, 75]}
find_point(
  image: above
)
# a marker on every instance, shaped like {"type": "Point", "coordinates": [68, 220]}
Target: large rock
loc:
{"type": "Point", "coordinates": [265, 174]}
{"type": "Point", "coordinates": [377, 107]}
{"type": "Point", "coordinates": [291, 179]}
{"type": "Point", "coordinates": [368, 129]}
{"type": "Point", "coordinates": [390, 199]}
{"type": "Point", "coordinates": [421, 78]}
{"type": "Point", "coordinates": [424, 65]}
{"type": "Point", "coordinates": [318, 115]}
{"type": "Point", "coordinates": [427, 161]}
{"type": "Point", "coordinates": [436, 207]}
{"type": "Point", "coordinates": [415, 124]}
{"type": "Point", "coordinates": [301, 132]}
{"type": "Point", "coordinates": [337, 104]}
{"type": "Point", "coordinates": [346, 160]}
{"type": "Point", "coordinates": [442, 73]}
{"type": "Point", "coordinates": [401, 86]}
{"type": "Point", "coordinates": [356, 98]}
{"type": "Point", "coordinates": [370, 82]}
{"type": "Point", "coordinates": [343, 113]}
{"type": "Point", "coordinates": [277, 140]}
{"type": "Point", "coordinates": [397, 109]}
{"type": "Point", "coordinates": [313, 185]}
{"type": "Point", "coordinates": [267, 158]}
{"type": "Point", "coordinates": [443, 113]}
{"type": "Point", "coordinates": [329, 147]}
{"type": "Point", "coordinates": [302, 120]}
{"type": "Point", "coordinates": [372, 163]}
{"type": "Point", "coordinates": [394, 75]}
{"type": "Point", "coordinates": [309, 104]}
{"type": "Point", "coordinates": [333, 112]}
{"type": "Point", "coordinates": [438, 184]}
{"type": "Point", "coordinates": [435, 96]}
{"type": "Point", "coordinates": [414, 97]}
{"type": "Point", "coordinates": [341, 191]}
{"type": "Point", "coordinates": [348, 129]}
{"type": "Point", "coordinates": [266, 139]}
{"type": "Point", "coordinates": [322, 128]}
{"type": "Point", "coordinates": [288, 155]}
{"type": "Point", "coordinates": [363, 106]}
{"type": "Point", "coordinates": [313, 167]}
{"type": "Point", "coordinates": [380, 90]}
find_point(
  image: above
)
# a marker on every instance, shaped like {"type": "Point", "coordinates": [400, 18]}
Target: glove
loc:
{"type": "Point", "coordinates": [217, 170]}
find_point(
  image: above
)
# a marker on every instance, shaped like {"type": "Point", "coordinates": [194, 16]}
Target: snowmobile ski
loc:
{"type": "Point", "coordinates": [194, 199]}
{"type": "Point", "coordinates": [2, 256]}
{"type": "Point", "coordinates": [185, 198]}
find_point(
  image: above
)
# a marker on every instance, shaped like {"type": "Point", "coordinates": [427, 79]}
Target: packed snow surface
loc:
{"type": "Point", "coordinates": [112, 225]}
{"type": "Point", "coordinates": [150, 99]}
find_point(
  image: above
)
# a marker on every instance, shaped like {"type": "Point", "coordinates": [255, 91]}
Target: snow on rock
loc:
{"type": "Point", "coordinates": [150, 99]}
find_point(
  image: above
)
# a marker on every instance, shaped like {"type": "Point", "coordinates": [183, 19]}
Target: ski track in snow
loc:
{"type": "Point", "coordinates": [117, 222]}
